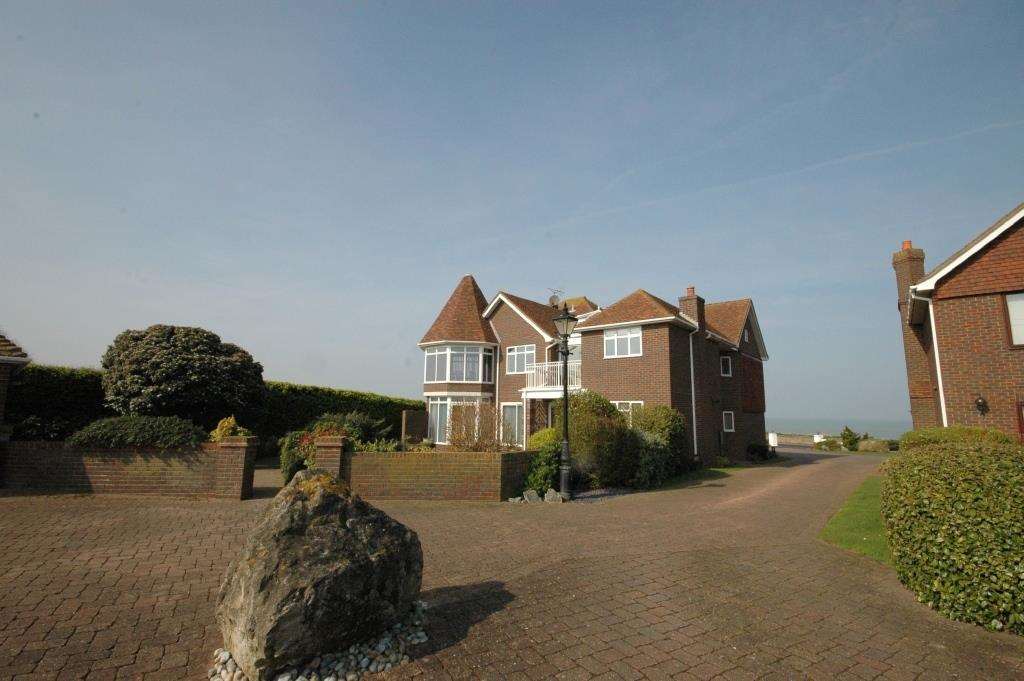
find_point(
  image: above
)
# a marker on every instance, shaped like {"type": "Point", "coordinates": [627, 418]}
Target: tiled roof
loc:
{"type": "Point", "coordinates": [540, 314]}
{"type": "Point", "coordinates": [728, 318]}
{"type": "Point", "coordinates": [972, 243]}
{"type": "Point", "coordinates": [461, 319]}
{"type": "Point", "coordinates": [580, 304]}
{"type": "Point", "coordinates": [637, 306]}
{"type": "Point", "coordinates": [9, 349]}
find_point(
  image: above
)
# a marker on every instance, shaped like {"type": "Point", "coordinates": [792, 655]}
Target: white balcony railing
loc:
{"type": "Point", "coordinates": [549, 375]}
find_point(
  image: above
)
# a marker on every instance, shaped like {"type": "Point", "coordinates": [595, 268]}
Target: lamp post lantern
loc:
{"type": "Point", "coordinates": [565, 324]}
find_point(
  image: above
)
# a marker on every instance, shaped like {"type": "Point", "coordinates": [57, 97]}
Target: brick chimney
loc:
{"type": "Point", "coordinates": [692, 306]}
{"type": "Point", "coordinates": [908, 262]}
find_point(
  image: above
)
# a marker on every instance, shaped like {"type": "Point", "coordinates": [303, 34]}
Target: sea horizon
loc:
{"type": "Point", "coordinates": [884, 428]}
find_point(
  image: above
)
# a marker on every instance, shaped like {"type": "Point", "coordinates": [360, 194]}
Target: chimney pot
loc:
{"type": "Point", "coordinates": [691, 291]}
{"type": "Point", "coordinates": [907, 245]}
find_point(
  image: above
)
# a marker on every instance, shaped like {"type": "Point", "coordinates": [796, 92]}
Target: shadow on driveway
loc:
{"type": "Point", "coordinates": [453, 610]}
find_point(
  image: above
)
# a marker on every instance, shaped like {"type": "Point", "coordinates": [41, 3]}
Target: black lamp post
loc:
{"type": "Point", "coordinates": [565, 323]}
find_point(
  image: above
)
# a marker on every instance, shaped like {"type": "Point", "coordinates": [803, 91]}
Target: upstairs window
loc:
{"type": "Point", "coordinates": [623, 342]}
{"type": "Point", "coordinates": [519, 358]}
{"type": "Point", "coordinates": [728, 422]}
{"type": "Point", "coordinates": [1015, 315]}
{"type": "Point", "coordinates": [458, 364]}
{"type": "Point", "coordinates": [726, 362]}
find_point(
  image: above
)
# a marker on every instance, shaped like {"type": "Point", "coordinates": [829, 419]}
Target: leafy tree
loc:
{"type": "Point", "coordinates": [850, 439]}
{"type": "Point", "coordinates": [181, 371]}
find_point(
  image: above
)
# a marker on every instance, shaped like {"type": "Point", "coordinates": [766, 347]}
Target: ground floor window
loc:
{"type": "Point", "coordinates": [627, 407]}
{"type": "Point", "coordinates": [513, 426]}
{"type": "Point", "coordinates": [728, 422]}
{"type": "Point", "coordinates": [439, 410]}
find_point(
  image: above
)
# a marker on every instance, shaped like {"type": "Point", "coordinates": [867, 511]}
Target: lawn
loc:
{"type": "Point", "coordinates": [858, 524]}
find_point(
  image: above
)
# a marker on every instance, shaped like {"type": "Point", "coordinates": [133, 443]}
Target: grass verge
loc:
{"type": "Point", "coordinates": [858, 524]}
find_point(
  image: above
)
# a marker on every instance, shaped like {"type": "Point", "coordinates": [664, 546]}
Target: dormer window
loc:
{"type": "Point", "coordinates": [458, 364]}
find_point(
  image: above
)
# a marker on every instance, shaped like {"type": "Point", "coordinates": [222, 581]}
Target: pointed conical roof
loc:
{"type": "Point", "coordinates": [462, 319]}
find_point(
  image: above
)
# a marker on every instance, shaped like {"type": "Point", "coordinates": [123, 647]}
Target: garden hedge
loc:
{"type": "Point", "coordinates": [50, 403]}
{"type": "Point", "coordinates": [159, 432]}
{"type": "Point", "coordinates": [290, 407]}
{"type": "Point", "coordinates": [954, 516]}
{"type": "Point", "coordinates": [926, 437]}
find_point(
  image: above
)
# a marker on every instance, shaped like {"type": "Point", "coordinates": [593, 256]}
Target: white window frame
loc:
{"type": "Point", "coordinates": [731, 427]}
{"type": "Point", "coordinates": [722, 360]}
{"type": "Point", "coordinates": [1017, 300]}
{"type": "Point", "coordinates": [630, 333]}
{"type": "Point", "coordinates": [630, 405]}
{"type": "Point", "coordinates": [746, 335]}
{"type": "Point", "coordinates": [451, 402]}
{"type": "Point", "coordinates": [520, 351]}
{"type": "Point", "coordinates": [444, 353]}
{"type": "Point", "coordinates": [431, 425]}
{"type": "Point", "coordinates": [522, 421]}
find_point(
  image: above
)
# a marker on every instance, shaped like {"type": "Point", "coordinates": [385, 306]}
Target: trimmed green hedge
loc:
{"type": "Point", "coordinates": [954, 516]}
{"type": "Point", "coordinates": [50, 403]}
{"type": "Point", "coordinates": [931, 436]}
{"type": "Point", "coordinates": [291, 407]}
{"type": "Point", "coordinates": [160, 432]}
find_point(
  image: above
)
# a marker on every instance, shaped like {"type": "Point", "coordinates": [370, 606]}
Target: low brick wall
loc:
{"type": "Point", "coordinates": [453, 476]}
{"type": "Point", "coordinates": [223, 469]}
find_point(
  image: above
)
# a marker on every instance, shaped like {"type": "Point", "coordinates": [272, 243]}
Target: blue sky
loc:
{"type": "Point", "coordinates": [310, 180]}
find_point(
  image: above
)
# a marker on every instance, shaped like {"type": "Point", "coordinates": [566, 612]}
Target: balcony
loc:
{"type": "Point", "coordinates": [548, 375]}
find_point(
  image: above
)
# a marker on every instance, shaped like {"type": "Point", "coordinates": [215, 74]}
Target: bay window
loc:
{"type": "Point", "coordinates": [458, 364]}
{"type": "Point", "coordinates": [623, 342]}
{"type": "Point", "coordinates": [443, 416]}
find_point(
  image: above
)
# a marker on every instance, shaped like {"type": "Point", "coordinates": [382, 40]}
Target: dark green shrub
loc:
{"type": "Point", "coordinates": [596, 432]}
{"type": "Point", "coordinates": [655, 460]}
{"type": "Point", "coordinates": [291, 407]}
{"type": "Point", "coordinates": [542, 474]}
{"type": "Point", "coordinates": [181, 371]}
{"type": "Point", "coordinates": [51, 403]}
{"type": "Point", "coordinates": [360, 426]}
{"type": "Point", "coordinates": [228, 427]}
{"type": "Point", "coordinates": [758, 451]}
{"type": "Point", "coordinates": [296, 452]}
{"type": "Point", "coordinates": [954, 516]}
{"type": "Point", "coordinates": [926, 437]}
{"type": "Point", "coordinates": [159, 432]}
{"type": "Point", "coordinates": [668, 424]}
{"type": "Point", "coordinates": [849, 439]}
{"type": "Point", "coordinates": [829, 444]}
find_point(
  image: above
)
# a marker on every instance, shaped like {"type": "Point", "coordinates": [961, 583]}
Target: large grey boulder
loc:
{"type": "Point", "coordinates": [321, 571]}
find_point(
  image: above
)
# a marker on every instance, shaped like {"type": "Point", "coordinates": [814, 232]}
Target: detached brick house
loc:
{"type": "Point", "coordinates": [963, 330]}
{"type": "Point", "coordinates": [705, 360]}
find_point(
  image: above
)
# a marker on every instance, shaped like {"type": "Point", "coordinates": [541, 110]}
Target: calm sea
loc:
{"type": "Point", "coordinates": [878, 428]}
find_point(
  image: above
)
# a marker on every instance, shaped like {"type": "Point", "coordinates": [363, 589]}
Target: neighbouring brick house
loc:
{"type": "Point", "coordinates": [703, 359]}
{"type": "Point", "coordinates": [963, 330]}
{"type": "Point", "coordinates": [11, 357]}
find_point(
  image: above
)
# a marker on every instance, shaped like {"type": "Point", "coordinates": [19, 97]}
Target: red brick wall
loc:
{"type": "Point", "coordinates": [646, 378]}
{"type": "Point", "coordinates": [221, 470]}
{"type": "Point", "coordinates": [512, 329]}
{"type": "Point", "coordinates": [997, 269]}
{"type": "Point", "coordinates": [977, 359]}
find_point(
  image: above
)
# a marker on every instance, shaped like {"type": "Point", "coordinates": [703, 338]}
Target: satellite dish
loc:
{"type": "Point", "coordinates": [554, 300]}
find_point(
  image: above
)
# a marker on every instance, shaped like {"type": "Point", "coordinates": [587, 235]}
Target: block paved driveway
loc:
{"type": "Point", "coordinates": [721, 579]}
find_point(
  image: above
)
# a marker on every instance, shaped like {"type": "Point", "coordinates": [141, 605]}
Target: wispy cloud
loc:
{"type": "Point", "coordinates": [829, 163]}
